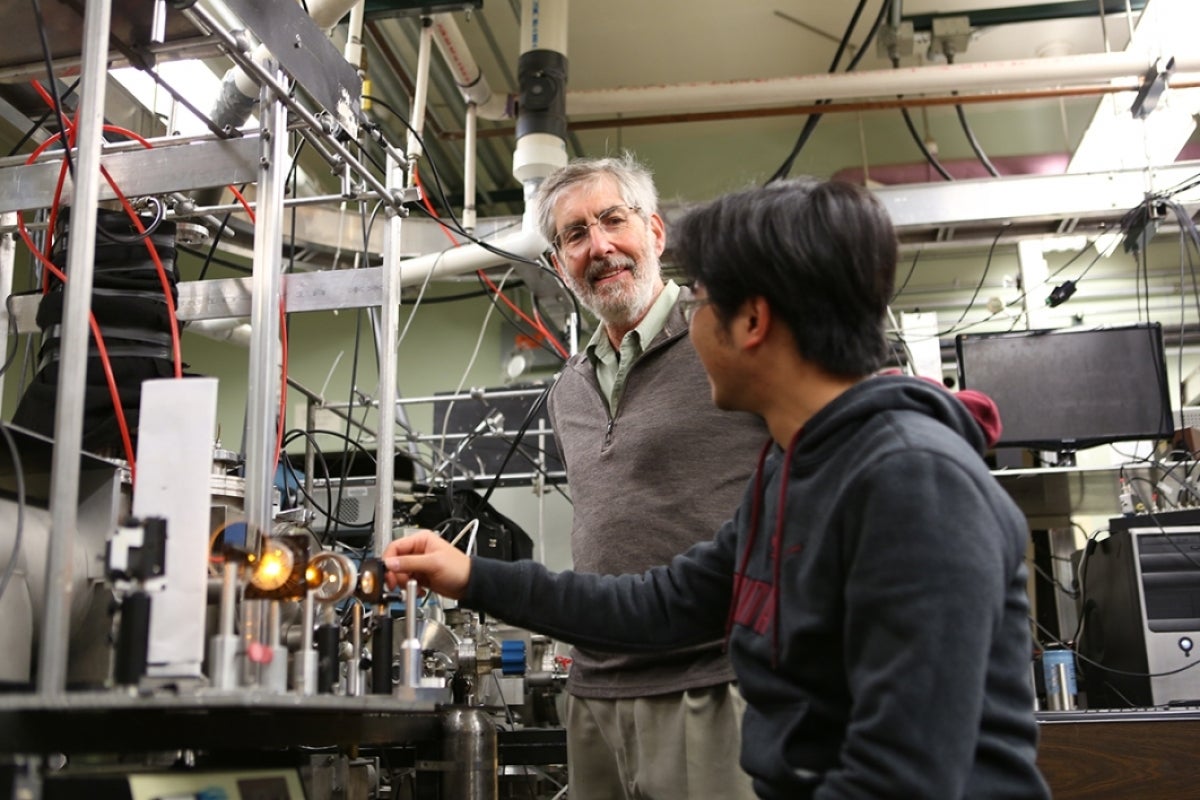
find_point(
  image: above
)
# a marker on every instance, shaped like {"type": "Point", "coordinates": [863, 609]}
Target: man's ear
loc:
{"type": "Point", "coordinates": [557, 266]}
{"type": "Point", "coordinates": [754, 321]}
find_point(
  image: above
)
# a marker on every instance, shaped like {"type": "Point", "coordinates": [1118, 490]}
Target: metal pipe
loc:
{"type": "Point", "coordinates": [354, 675]}
{"type": "Point", "coordinates": [309, 123]}
{"type": "Point", "coordinates": [225, 643]}
{"type": "Point", "coordinates": [468, 215]}
{"type": "Point", "coordinates": [934, 79]}
{"type": "Point", "coordinates": [262, 402]}
{"type": "Point", "coordinates": [304, 670]}
{"type": "Point", "coordinates": [835, 108]}
{"type": "Point", "coordinates": [471, 81]}
{"type": "Point", "coordinates": [68, 414]}
{"type": "Point", "coordinates": [410, 648]}
{"type": "Point", "coordinates": [417, 113]}
{"type": "Point", "coordinates": [389, 325]}
{"type": "Point", "coordinates": [354, 30]}
{"type": "Point", "coordinates": [8, 255]}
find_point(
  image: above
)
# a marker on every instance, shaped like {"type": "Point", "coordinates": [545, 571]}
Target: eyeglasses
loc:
{"type": "Point", "coordinates": [611, 221]}
{"type": "Point", "coordinates": [692, 305]}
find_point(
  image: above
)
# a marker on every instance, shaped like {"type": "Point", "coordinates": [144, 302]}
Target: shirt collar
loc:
{"type": "Point", "coordinates": [600, 348]}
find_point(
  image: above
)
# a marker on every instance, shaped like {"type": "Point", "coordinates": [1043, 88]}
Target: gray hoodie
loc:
{"type": "Point", "coordinates": [872, 586]}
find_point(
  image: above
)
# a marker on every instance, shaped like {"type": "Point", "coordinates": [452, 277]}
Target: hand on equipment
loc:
{"type": "Point", "coordinates": [429, 559]}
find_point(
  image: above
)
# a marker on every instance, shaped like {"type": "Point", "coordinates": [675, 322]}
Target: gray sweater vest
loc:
{"type": "Point", "coordinates": [663, 472]}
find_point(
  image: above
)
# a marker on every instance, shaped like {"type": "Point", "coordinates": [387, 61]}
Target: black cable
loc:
{"type": "Point", "coordinates": [328, 511]}
{"type": "Point", "coordinates": [970, 134]}
{"type": "Point", "coordinates": [211, 259]}
{"type": "Point", "coordinates": [979, 286]}
{"type": "Point", "coordinates": [525, 449]}
{"type": "Point", "coordinates": [160, 213]}
{"type": "Point", "coordinates": [40, 121]}
{"type": "Point", "coordinates": [1055, 640]}
{"type": "Point", "coordinates": [966, 128]}
{"type": "Point", "coordinates": [19, 473]}
{"type": "Point", "coordinates": [537, 336]}
{"type": "Point", "coordinates": [925, 151]}
{"type": "Point", "coordinates": [911, 269]}
{"type": "Point", "coordinates": [53, 87]}
{"type": "Point", "coordinates": [457, 226]}
{"type": "Point", "coordinates": [810, 124]}
{"type": "Point", "coordinates": [10, 357]}
{"type": "Point", "coordinates": [534, 410]}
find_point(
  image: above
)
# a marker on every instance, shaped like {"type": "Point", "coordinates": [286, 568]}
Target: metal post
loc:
{"type": "Point", "coordinates": [8, 257]}
{"type": "Point", "coordinates": [389, 325]}
{"type": "Point", "coordinates": [263, 393]}
{"type": "Point", "coordinates": [68, 420]}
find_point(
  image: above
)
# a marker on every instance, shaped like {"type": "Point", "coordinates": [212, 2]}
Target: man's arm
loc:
{"type": "Point", "coordinates": [671, 606]}
{"type": "Point", "coordinates": [925, 591]}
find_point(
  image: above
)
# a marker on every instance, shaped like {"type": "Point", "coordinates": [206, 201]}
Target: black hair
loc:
{"type": "Point", "coordinates": [821, 253]}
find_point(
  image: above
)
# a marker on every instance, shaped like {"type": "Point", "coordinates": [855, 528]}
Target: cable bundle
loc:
{"type": "Point", "coordinates": [134, 318]}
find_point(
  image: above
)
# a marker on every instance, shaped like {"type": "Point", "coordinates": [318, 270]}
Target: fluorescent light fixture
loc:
{"type": "Point", "coordinates": [1115, 140]}
{"type": "Point", "coordinates": [191, 78]}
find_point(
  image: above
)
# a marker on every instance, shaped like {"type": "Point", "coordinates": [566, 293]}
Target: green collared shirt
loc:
{"type": "Point", "coordinates": [612, 367]}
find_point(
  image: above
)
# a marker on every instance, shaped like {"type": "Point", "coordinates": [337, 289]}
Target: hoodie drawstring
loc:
{"type": "Point", "coordinates": [739, 577]}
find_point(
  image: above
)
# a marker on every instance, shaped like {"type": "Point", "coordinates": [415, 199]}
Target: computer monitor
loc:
{"type": "Point", "coordinates": [1068, 389]}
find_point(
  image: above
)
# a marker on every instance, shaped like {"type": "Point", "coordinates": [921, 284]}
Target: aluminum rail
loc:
{"type": "Point", "coordinates": [68, 412]}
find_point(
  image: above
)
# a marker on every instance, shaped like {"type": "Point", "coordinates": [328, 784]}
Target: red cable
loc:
{"type": "Point", "coordinates": [538, 326]}
{"type": "Point", "coordinates": [160, 269]}
{"type": "Point", "coordinates": [113, 392]}
{"type": "Point", "coordinates": [283, 389]}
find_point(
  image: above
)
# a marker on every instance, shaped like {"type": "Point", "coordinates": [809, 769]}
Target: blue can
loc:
{"type": "Point", "coordinates": [1059, 695]}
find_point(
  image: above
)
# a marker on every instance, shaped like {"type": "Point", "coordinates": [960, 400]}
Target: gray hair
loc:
{"type": "Point", "coordinates": [634, 181]}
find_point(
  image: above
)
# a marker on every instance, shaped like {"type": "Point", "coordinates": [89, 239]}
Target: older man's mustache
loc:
{"type": "Point", "coordinates": [605, 267]}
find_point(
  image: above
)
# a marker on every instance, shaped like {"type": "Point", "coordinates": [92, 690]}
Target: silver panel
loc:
{"type": "Point", "coordinates": [168, 168]}
{"type": "Point", "coordinates": [1106, 194]}
{"type": "Point", "coordinates": [306, 54]}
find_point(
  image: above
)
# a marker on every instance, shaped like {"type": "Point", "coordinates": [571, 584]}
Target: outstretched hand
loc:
{"type": "Point", "coordinates": [429, 559]}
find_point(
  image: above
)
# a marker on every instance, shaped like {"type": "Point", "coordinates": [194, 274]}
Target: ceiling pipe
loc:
{"type": "Point", "coordinates": [542, 75]}
{"type": "Point", "coordinates": [832, 108]}
{"type": "Point", "coordinates": [932, 79]}
{"type": "Point", "coordinates": [470, 79]}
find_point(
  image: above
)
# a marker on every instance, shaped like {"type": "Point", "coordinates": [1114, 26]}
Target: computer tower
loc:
{"type": "Point", "coordinates": [1141, 600]}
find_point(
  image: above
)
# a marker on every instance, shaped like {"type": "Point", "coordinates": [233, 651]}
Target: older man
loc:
{"type": "Point", "coordinates": [653, 468]}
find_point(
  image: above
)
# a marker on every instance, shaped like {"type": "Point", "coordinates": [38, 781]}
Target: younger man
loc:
{"type": "Point", "coordinates": [872, 584]}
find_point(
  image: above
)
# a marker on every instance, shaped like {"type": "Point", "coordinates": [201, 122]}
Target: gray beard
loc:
{"type": "Point", "coordinates": [622, 308]}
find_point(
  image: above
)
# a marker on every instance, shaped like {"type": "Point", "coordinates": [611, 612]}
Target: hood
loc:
{"type": "Point", "coordinates": [889, 393]}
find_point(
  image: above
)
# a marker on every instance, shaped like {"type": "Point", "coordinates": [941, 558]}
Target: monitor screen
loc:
{"type": "Point", "coordinates": [1074, 388]}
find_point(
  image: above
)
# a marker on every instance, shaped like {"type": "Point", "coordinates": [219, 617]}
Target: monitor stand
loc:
{"type": "Point", "coordinates": [1057, 458]}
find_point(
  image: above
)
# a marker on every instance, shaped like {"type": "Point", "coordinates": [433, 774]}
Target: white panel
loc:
{"type": "Point", "coordinates": [174, 462]}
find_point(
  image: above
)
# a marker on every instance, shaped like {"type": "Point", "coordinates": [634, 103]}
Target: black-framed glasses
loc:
{"type": "Point", "coordinates": [611, 221]}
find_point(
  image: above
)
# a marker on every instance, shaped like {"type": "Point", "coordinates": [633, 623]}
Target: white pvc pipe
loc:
{"type": "Point", "coordinates": [525, 242]}
{"type": "Point", "coordinates": [937, 79]}
{"type": "Point", "coordinates": [354, 44]}
{"type": "Point", "coordinates": [468, 214]}
{"type": "Point", "coordinates": [470, 79]}
{"type": "Point", "coordinates": [544, 25]}
{"type": "Point", "coordinates": [417, 113]}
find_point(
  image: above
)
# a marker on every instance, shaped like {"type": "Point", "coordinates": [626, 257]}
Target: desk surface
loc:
{"type": "Point", "coordinates": [1140, 754]}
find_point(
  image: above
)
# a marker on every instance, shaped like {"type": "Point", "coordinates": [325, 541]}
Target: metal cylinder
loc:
{"type": "Point", "coordinates": [133, 639]}
{"type": "Point", "coordinates": [381, 653]}
{"type": "Point", "coordinates": [327, 658]}
{"type": "Point", "coordinates": [469, 741]}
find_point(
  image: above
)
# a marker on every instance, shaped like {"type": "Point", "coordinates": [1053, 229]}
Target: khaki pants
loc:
{"type": "Point", "coordinates": [683, 745]}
